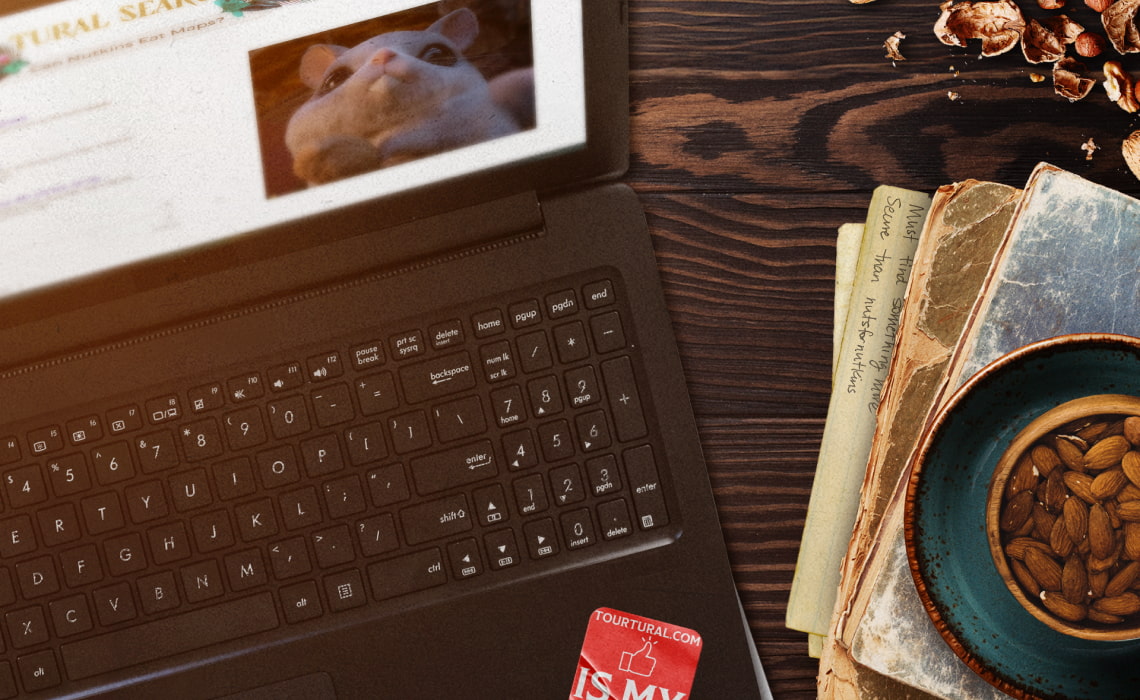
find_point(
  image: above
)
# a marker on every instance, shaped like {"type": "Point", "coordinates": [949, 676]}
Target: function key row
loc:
{"type": "Point", "coordinates": [317, 368]}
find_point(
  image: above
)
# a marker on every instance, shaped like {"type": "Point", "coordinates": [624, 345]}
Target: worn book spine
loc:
{"type": "Point", "coordinates": [894, 221]}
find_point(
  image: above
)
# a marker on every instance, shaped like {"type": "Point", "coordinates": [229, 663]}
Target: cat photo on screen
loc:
{"type": "Point", "coordinates": [400, 88]}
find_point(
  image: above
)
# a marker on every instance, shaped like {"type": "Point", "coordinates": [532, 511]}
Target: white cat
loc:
{"type": "Point", "coordinates": [400, 96]}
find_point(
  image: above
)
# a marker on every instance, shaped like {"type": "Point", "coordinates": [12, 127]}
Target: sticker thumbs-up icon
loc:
{"type": "Point", "coordinates": [640, 662]}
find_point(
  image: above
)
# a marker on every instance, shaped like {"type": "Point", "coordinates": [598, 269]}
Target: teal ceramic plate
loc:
{"type": "Point", "coordinates": [946, 521]}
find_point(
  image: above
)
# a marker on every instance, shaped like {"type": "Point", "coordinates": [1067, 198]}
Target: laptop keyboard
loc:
{"type": "Point", "coordinates": [493, 441]}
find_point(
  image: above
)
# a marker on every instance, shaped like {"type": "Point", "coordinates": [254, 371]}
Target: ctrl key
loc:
{"type": "Point", "coordinates": [407, 574]}
{"type": "Point", "coordinates": [38, 671]}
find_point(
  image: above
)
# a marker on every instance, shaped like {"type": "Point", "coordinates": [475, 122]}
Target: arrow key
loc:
{"type": "Point", "coordinates": [502, 551]}
{"type": "Point", "coordinates": [464, 557]}
{"type": "Point", "coordinates": [491, 504]}
{"type": "Point", "coordinates": [541, 538]}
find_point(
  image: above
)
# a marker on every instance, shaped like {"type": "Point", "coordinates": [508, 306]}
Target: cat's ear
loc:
{"type": "Point", "coordinates": [460, 26]}
{"type": "Point", "coordinates": [316, 61]}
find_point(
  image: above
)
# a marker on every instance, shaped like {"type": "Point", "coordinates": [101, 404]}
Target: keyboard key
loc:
{"type": "Point", "coordinates": [332, 405]}
{"type": "Point", "coordinates": [388, 485]}
{"type": "Point", "coordinates": [256, 520]}
{"type": "Point", "coordinates": [162, 409]}
{"type": "Point", "coordinates": [207, 397]}
{"type": "Point", "coordinates": [545, 397]}
{"type": "Point", "coordinates": [322, 455]}
{"type": "Point", "coordinates": [406, 345]}
{"type": "Point", "coordinates": [534, 352]}
{"type": "Point", "coordinates": [201, 440]}
{"type": "Point", "coordinates": [541, 538]}
{"type": "Point", "coordinates": [488, 323]}
{"type": "Point", "coordinates": [502, 550]}
{"type": "Point", "coordinates": [614, 518]}
{"type": "Point", "coordinates": [598, 294]}
{"type": "Point", "coordinates": [407, 574]}
{"type": "Point", "coordinates": [113, 462]}
{"type": "Point", "coordinates": [459, 419]}
{"type": "Point", "coordinates": [156, 452]}
{"type": "Point", "coordinates": [377, 393]}
{"type": "Point", "coordinates": [245, 570]}
{"type": "Point", "coordinates": [245, 387]}
{"type": "Point", "coordinates": [168, 543]}
{"type": "Point", "coordinates": [625, 402]}
{"type": "Point", "coordinates": [80, 566]}
{"type": "Point", "coordinates": [38, 671]}
{"type": "Point", "coordinates": [491, 504]}
{"type": "Point", "coordinates": [278, 467]}
{"type": "Point", "coordinates": [158, 592]}
{"type": "Point", "coordinates": [519, 449]}
{"type": "Point", "coordinates": [648, 494]}
{"type": "Point", "coordinates": [345, 590]}
{"type": "Point", "coordinates": [124, 419]}
{"type": "Point", "coordinates": [525, 313]}
{"type": "Point", "coordinates": [101, 513]}
{"type": "Point", "coordinates": [172, 635]}
{"type": "Point", "coordinates": [464, 558]}
{"type": "Point", "coordinates": [344, 497]}
{"type": "Point", "coordinates": [245, 428]}
{"type": "Point", "coordinates": [25, 486]}
{"type": "Point", "coordinates": [530, 494]}
{"type": "Point", "coordinates": [367, 355]}
{"type": "Point", "coordinates": [608, 333]}
{"type": "Point", "coordinates": [454, 467]}
{"type": "Point", "coordinates": [507, 405]}
{"type": "Point", "coordinates": [45, 440]}
{"type": "Point", "coordinates": [566, 482]}
{"type": "Point", "coordinates": [324, 366]}
{"type": "Point", "coordinates": [570, 339]}
{"type": "Point", "coordinates": [603, 475]}
{"type": "Point", "coordinates": [556, 442]}
{"type": "Point", "coordinates": [333, 546]}
{"type": "Point", "coordinates": [593, 431]}
{"type": "Point", "coordinates": [300, 508]}
{"type": "Point", "coordinates": [446, 334]}
{"type": "Point", "coordinates": [289, 558]}
{"type": "Point", "coordinates": [288, 417]}
{"type": "Point", "coordinates": [69, 475]}
{"type": "Point", "coordinates": [234, 478]}
{"type": "Point", "coordinates": [71, 615]}
{"type": "Point", "coordinates": [437, 377]}
{"type": "Point", "coordinates": [410, 432]}
{"type": "Point", "coordinates": [202, 581]}
{"type": "Point", "coordinates": [58, 524]}
{"type": "Point", "coordinates": [365, 443]}
{"type": "Point", "coordinates": [27, 627]}
{"type": "Point", "coordinates": [190, 490]}
{"type": "Point", "coordinates": [146, 501]}
{"type": "Point", "coordinates": [377, 534]}
{"type": "Point", "coordinates": [442, 518]}
{"type": "Point", "coordinates": [9, 452]}
{"type": "Point", "coordinates": [498, 361]}
{"type": "Point", "coordinates": [84, 430]}
{"type": "Point", "coordinates": [212, 531]}
{"type": "Point", "coordinates": [301, 602]}
{"type": "Point", "coordinates": [561, 304]}
{"type": "Point", "coordinates": [16, 537]}
{"type": "Point", "coordinates": [114, 604]}
{"type": "Point", "coordinates": [286, 377]}
{"type": "Point", "coordinates": [578, 529]}
{"type": "Point", "coordinates": [582, 386]}
{"type": "Point", "coordinates": [37, 577]}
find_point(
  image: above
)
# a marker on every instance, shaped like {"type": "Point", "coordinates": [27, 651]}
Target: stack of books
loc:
{"type": "Point", "coordinates": [939, 287]}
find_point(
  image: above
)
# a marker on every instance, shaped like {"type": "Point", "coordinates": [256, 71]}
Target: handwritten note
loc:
{"type": "Point", "coordinates": [894, 222]}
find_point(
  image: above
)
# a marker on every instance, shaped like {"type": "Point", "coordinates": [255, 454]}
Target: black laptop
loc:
{"type": "Point", "coordinates": [335, 364]}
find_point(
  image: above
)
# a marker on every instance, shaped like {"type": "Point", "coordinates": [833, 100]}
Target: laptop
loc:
{"type": "Point", "coordinates": [334, 362]}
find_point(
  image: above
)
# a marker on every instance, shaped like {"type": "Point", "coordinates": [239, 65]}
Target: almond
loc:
{"type": "Point", "coordinates": [1074, 580]}
{"type": "Point", "coordinates": [1044, 569]}
{"type": "Point", "coordinates": [1128, 511]}
{"type": "Point", "coordinates": [1132, 540]}
{"type": "Point", "coordinates": [1017, 511]}
{"type": "Point", "coordinates": [1098, 581]}
{"type": "Point", "coordinates": [1054, 493]}
{"type": "Point", "coordinates": [1130, 462]}
{"type": "Point", "coordinates": [1132, 430]}
{"type": "Point", "coordinates": [1070, 451]}
{"type": "Point", "coordinates": [1043, 522]}
{"type": "Point", "coordinates": [1045, 458]}
{"type": "Point", "coordinates": [1104, 618]}
{"type": "Point", "coordinates": [1062, 608]}
{"type": "Point", "coordinates": [1123, 579]}
{"type": "Point", "coordinates": [1028, 583]}
{"type": "Point", "coordinates": [1123, 604]}
{"type": "Point", "coordinates": [1108, 483]}
{"type": "Point", "coordinates": [1024, 477]}
{"type": "Point", "coordinates": [1017, 547]}
{"type": "Point", "coordinates": [1102, 538]}
{"type": "Point", "coordinates": [1080, 484]}
{"type": "Point", "coordinates": [1107, 452]}
{"type": "Point", "coordinates": [1076, 517]}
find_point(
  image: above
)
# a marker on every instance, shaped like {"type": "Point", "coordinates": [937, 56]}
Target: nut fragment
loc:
{"type": "Point", "coordinates": [1068, 81]}
{"type": "Point", "coordinates": [1119, 20]}
{"type": "Point", "coordinates": [1099, 5]}
{"type": "Point", "coordinates": [1089, 44]}
{"type": "Point", "coordinates": [892, 46]}
{"type": "Point", "coordinates": [1131, 150]}
{"type": "Point", "coordinates": [1050, 4]}
{"type": "Point", "coordinates": [998, 24]}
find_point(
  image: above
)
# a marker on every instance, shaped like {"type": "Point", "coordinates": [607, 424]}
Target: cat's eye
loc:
{"type": "Point", "coordinates": [439, 54]}
{"type": "Point", "coordinates": [334, 80]}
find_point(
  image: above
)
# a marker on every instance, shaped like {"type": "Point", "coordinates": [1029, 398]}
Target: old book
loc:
{"type": "Point", "coordinates": [894, 221]}
{"type": "Point", "coordinates": [965, 225]}
{"type": "Point", "coordinates": [847, 243]}
{"type": "Point", "coordinates": [1067, 264]}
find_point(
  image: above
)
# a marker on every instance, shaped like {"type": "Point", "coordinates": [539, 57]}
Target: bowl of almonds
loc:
{"type": "Point", "coordinates": [1020, 521]}
{"type": "Point", "coordinates": [1063, 517]}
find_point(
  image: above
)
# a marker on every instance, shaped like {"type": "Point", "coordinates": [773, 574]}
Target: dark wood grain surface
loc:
{"type": "Point", "coordinates": [758, 128]}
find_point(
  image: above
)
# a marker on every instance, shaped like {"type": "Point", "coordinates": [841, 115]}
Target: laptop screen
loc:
{"type": "Point", "coordinates": [280, 110]}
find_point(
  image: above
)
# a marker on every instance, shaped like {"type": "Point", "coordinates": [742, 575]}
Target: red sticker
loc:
{"type": "Point", "coordinates": [628, 657]}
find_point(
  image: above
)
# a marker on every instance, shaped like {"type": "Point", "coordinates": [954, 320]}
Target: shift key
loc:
{"type": "Point", "coordinates": [442, 518]}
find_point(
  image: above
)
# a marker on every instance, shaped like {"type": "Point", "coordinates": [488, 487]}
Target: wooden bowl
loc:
{"type": "Point", "coordinates": [1072, 429]}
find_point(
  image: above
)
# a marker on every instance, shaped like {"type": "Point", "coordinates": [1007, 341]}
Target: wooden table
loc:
{"type": "Point", "coordinates": [758, 128]}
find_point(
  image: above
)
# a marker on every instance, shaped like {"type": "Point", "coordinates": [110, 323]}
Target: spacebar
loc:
{"type": "Point", "coordinates": [173, 635]}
